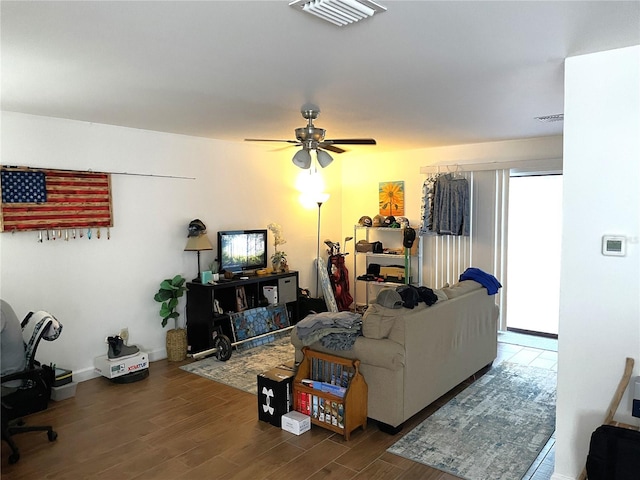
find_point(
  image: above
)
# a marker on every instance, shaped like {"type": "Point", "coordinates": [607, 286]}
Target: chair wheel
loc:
{"type": "Point", "coordinates": [13, 458]}
{"type": "Point", "coordinates": [52, 436]}
{"type": "Point", "coordinates": [223, 345]}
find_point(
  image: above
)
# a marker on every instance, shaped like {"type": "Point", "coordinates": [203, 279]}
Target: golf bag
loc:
{"type": "Point", "coordinates": [339, 276]}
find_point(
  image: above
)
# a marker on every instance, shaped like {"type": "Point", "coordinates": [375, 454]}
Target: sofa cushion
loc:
{"type": "Point", "coordinates": [440, 294]}
{"type": "Point", "coordinates": [460, 288]}
{"type": "Point", "coordinates": [379, 353]}
{"type": "Point", "coordinates": [378, 320]}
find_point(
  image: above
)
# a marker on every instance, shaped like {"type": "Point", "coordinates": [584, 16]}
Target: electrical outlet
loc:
{"type": "Point", "coordinates": [124, 334]}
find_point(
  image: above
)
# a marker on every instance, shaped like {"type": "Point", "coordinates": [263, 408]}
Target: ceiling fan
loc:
{"type": "Point", "coordinates": [312, 138]}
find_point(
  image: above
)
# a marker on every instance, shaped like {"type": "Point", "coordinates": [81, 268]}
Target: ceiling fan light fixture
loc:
{"type": "Point", "coordinates": [339, 12]}
{"type": "Point", "coordinates": [312, 138]}
{"type": "Point", "coordinates": [302, 159]}
{"type": "Point", "coordinates": [324, 159]}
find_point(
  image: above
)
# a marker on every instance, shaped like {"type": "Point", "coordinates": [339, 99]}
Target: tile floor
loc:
{"type": "Point", "coordinates": [542, 468]}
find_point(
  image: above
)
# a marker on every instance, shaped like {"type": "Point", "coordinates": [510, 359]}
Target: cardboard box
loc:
{"type": "Point", "coordinates": [63, 392]}
{"type": "Point", "coordinates": [392, 272]}
{"type": "Point", "coordinates": [364, 247]}
{"type": "Point", "coordinates": [116, 368]}
{"type": "Point", "coordinates": [274, 394]}
{"type": "Point", "coordinates": [296, 422]}
{"type": "Point", "coordinates": [290, 366]}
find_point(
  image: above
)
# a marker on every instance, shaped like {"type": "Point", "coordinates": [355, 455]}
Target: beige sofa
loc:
{"type": "Point", "coordinates": [411, 357]}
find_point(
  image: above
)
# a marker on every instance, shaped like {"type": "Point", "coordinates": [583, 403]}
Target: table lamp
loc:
{"type": "Point", "coordinates": [197, 244]}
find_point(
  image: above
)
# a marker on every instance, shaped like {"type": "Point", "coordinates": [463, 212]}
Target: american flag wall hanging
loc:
{"type": "Point", "coordinates": [40, 199]}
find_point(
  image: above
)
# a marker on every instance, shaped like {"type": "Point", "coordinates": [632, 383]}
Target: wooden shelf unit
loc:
{"type": "Point", "coordinates": [323, 366]}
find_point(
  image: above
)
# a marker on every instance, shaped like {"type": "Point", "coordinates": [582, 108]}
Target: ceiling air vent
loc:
{"type": "Point", "coordinates": [558, 117]}
{"type": "Point", "coordinates": [339, 12]}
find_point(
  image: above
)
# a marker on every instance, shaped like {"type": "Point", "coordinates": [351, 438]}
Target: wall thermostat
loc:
{"type": "Point", "coordinates": [615, 245]}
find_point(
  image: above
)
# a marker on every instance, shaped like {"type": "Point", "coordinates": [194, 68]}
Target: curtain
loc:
{"type": "Point", "coordinates": [445, 205]}
{"type": "Point", "coordinates": [445, 257]}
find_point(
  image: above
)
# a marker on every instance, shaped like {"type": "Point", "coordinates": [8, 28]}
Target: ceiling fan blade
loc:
{"type": "Point", "coordinates": [331, 148]}
{"type": "Point", "coordinates": [351, 141]}
{"type": "Point", "coordinates": [284, 147]}
{"type": "Point", "coordinates": [268, 140]}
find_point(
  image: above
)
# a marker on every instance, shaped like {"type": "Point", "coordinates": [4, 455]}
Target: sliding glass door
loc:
{"type": "Point", "coordinates": [533, 254]}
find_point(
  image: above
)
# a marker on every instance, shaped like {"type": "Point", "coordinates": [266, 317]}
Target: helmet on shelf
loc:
{"type": "Point", "coordinates": [378, 221]}
{"type": "Point", "coordinates": [365, 221]}
{"type": "Point", "coordinates": [390, 221]}
{"type": "Point", "coordinates": [403, 221]}
{"type": "Point", "coordinates": [196, 227]}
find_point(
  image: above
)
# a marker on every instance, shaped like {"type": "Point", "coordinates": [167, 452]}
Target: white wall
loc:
{"type": "Point", "coordinates": [599, 297]}
{"type": "Point", "coordinates": [96, 287]}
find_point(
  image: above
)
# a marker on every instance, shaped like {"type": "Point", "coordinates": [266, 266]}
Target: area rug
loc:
{"type": "Point", "coordinates": [493, 430]}
{"type": "Point", "coordinates": [242, 369]}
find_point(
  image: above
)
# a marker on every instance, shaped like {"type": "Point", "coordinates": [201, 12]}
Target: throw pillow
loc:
{"type": "Point", "coordinates": [378, 320]}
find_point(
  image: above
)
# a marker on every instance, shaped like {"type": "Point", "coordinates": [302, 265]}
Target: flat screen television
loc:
{"type": "Point", "coordinates": [242, 250]}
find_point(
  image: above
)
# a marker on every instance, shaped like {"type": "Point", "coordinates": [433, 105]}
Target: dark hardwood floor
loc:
{"type": "Point", "coordinates": [176, 425]}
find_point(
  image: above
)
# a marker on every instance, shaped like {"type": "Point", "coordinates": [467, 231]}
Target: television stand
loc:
{"type": "Point", "coordinates": [203, 324]}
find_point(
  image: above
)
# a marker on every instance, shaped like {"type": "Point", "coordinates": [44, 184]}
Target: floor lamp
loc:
{"type": "Point", "coordinates": [322, 198]}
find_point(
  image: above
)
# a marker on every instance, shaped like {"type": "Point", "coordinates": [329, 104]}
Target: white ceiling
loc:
{"type": "Point", "coordinates": [421, 74]}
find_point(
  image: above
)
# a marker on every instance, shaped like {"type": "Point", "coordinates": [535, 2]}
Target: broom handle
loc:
{"type": "Point", "coordinates": [624, 383]}
{"type": "Point", "coordinates": [615, 402]}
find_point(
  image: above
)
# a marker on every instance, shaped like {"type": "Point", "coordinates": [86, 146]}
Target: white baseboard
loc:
{"type": "Point", "coordinates": [557, 476]}
{"type": "Point", "coordinates": [89, 373]}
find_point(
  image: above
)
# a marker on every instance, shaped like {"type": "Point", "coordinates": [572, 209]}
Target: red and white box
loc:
{"type": "Point", "coordinates": [116, 368]}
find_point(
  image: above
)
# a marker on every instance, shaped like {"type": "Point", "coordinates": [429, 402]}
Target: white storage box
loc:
{"type": "Point", "coordinates": [271, 294]}
{"type": "Point", "coordinates": [63, 392]}
{"type": "Point", "coordinates": [296, 422]}
{"type": "Point", "coordinates": [112, 369]}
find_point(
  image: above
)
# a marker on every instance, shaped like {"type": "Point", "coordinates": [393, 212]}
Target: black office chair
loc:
{"type": "Point", "coordinates": [26, 391]}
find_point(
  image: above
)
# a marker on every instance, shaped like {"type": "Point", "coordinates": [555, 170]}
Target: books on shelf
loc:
{"type": "Point", "coordinates": [336, 390]}
{"type": "Point", "coordinates": [331, 373]}
{"type": "Point", "coordinates": [321, 409]}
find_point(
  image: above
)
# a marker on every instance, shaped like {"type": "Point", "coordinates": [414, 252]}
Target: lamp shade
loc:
{"type": "Point", "coordinates": [199, 243]}
{"type": "Point", "coordinates": [324, 158]}
{"type": "Point", "coordinates": [320, 198]}
{"type": "Point", "coordinates": [302, 159]}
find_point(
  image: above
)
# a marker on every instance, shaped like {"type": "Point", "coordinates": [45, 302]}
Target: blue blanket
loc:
{"type": "Point", "coordinates": [487, 280]}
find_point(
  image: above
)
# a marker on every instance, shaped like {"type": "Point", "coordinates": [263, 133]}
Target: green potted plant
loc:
{"type": "Point", "coordinates": [279, 262]}
{"type": "Point", "coordinates": [278, 259]}
{"type": "Point", "coordinates": [171, 289]}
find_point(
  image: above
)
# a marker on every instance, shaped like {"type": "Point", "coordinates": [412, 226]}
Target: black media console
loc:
{"type": "Point", "coordinates": [202, 320]}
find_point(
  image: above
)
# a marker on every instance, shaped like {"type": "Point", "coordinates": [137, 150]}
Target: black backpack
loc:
{"type": "Point", "coordinates": [614, 454]}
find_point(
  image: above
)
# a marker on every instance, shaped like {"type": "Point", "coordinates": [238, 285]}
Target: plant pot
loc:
{"type": "Point", "coordinates": [176, 344]}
